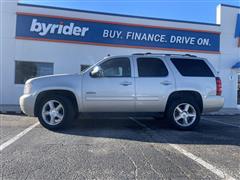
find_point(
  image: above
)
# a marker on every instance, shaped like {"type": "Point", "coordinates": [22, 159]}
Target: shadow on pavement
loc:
{"type": "Point", "coordinates": [154, 130]}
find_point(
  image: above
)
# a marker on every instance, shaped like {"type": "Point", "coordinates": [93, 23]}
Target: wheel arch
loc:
{"type": "Point", "coordinates": [186, 94]}
{"type": "Point", "coordinates": [66, 93]}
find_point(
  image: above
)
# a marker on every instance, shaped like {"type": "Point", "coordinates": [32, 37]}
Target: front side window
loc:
{"type": "Point", "coordinates": [84, 67]}
{"type": "Point", "coordinates": [116, 67]}
{"type": "Point", "coordinates": [151, 67]}
{"type": "Point", "coordinates": [25, 70]}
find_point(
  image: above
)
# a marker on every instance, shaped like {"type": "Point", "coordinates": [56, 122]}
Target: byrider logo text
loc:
{"type": "Point", "coordinates": [46, 28]}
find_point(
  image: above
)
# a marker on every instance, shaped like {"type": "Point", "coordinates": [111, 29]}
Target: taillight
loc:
{"type": "Point", "coordinates": [219, 86]}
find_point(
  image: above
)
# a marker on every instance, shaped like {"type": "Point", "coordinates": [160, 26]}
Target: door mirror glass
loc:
{"type": "Point", "coordinates": [96, 72]}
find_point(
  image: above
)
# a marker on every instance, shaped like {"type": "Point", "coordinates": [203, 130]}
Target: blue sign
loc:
{"type": "Point", "coordinates": [86, 31]}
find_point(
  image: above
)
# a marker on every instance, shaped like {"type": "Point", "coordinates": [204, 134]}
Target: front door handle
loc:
{"type": "Point", "coordinates": [166, 83]}
{"type": "Point", "coordinates": [91, 92]}
{"type": "Point", "coordinates": [125, 83]}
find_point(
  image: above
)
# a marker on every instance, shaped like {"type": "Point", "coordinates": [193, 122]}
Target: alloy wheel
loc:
{"type": "Point", "coordinates": [184, 114]}
{"type": "Point", "coordinates": [53, 112]}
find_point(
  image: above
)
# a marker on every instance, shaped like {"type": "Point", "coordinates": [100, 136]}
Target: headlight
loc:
{"type": "Point", "coordinates": [27, 88]}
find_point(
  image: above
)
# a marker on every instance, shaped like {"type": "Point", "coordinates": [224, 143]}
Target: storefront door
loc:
{"type": "Point", "coordinates": [238, 91]}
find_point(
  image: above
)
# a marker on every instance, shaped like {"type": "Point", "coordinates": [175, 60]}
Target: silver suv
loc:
{"type": "Point", "coordinates": [180, 86]}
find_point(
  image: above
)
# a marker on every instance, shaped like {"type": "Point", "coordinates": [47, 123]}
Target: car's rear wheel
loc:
{"type": "Point", "coordinates": [55, 112]}
{"type": "Point", "coordinates": [183, 114]}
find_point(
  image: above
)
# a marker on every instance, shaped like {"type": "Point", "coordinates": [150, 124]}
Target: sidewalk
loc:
{"type": "Point", "coordinates": [225, 112]}
{"type": "Point", "coordinates": [10, 109]}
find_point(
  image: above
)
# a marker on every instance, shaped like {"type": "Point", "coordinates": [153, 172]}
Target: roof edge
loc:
{"type": "Point", "coordinates": [236, 66]}
{"type": "Point", "coordinates": [115, 14]}
{"type": "Point", "coordinates": [231, 6]}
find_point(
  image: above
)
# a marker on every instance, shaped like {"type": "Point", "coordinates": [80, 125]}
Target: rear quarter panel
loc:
{"type": "Point", "coordinates": [205, 86]}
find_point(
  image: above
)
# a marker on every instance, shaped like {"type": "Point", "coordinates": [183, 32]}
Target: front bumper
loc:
{"type": "Point", "coordinates": [213, 103]}
{"type": "Point", "coordinates": [27, 102]}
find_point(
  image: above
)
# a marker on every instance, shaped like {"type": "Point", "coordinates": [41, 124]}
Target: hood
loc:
{"type": "Point", "coordinates": [56, 77]}
{"type": "Point", "coordinates": [69, 82]}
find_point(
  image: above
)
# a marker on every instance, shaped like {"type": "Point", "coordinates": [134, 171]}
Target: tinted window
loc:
{"type": "Point", "coordinates": [117, 67]}
{"type": "Point", "coordinates": [26, 70]}
{"type": "Point", "coordinates": [151, 67]}
{"type": "Point", "coordinates": [192, 67]}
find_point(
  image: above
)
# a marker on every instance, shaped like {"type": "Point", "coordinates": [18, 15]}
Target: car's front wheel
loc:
{"type": "Point", "coordinates": [183, 114]}
{"type": "Point", "coordinates": [55, 112]}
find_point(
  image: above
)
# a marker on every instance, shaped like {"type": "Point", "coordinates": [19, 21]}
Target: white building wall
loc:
{"type": "Point", "coordinates": [8, 9]}
{"type": "Point", "coordinates": [230, 53]}
{"type": "Point", "coordinates": [67, 57]}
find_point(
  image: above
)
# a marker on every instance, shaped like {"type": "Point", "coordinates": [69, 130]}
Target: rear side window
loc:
{"type": "Point", "coordinates": [151, 67]}
{"type": "Point", "coordinates": [192, 67]}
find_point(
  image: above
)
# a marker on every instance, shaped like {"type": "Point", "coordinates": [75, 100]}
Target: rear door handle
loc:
{"type": "Point", "coordinates": [166, 83]}
{"type": "Point", "coordinates": [125, 83]}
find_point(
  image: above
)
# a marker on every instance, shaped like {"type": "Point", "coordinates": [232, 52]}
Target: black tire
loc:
{"type": "Point", "coordinates": [171, 110]}
{"type": "Point", "coordinates": [68, 116]}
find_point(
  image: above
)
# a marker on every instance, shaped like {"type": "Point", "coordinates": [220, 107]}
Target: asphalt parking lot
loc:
{"type": "Point", "coordinates": [120, 148]}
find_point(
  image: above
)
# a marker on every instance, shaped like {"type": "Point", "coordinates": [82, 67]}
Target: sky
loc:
{"type": "Point", "coordinates": [188, 10]}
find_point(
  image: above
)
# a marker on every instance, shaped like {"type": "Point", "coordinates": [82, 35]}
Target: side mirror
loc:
{"type": "Point", "coordinates": [96, 72]}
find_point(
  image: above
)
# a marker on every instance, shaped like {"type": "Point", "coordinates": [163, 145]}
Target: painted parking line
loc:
{"type": "Point", "coordinates": [220, 122]}
{"type": "Point", "coordinates": [18, 136]}
{"type": "Point", "coordinates": [221, 174]}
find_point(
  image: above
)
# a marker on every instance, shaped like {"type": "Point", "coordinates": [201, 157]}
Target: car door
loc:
{"type": "Point", "coordinates": [154, 82]}
{"type": "Point", "coordinates": [113, 91]}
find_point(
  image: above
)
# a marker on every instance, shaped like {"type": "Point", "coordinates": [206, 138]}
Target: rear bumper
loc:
{"type": "Point", "coordinates": [27, 102]}
{"type": "Point", "coordinates": [212, 103]}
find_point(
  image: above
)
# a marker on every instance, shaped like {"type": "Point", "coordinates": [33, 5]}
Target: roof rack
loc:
{"type": "Point", "coordinates": [149, 53]}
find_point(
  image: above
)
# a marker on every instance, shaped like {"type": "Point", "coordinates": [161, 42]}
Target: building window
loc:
{"type": "Point", "coordinates": [84, 67]}
{"type": "Point", "coordinates": [25, 70]}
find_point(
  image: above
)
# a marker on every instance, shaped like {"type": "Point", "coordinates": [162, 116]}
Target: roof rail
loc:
{"type": "Point", "coordinates": [190, 55]}
{"type": "Point", "coordinates": [149, 53]}
{"type": "Point", "coordinates": [138, 54]}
